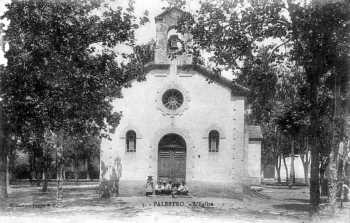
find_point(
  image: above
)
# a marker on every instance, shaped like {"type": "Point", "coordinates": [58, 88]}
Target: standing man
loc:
{"type": "Point", "coordinates": [149, 186]}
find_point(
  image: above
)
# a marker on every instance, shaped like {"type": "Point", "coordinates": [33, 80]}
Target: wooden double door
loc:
{"type": "Point", "coordinates": [172, 161]}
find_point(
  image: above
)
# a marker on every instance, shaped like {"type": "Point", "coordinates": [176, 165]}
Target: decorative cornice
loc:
{"type": "Point", "coordinates": [237, 89]}
{"type": "Point", "coordinates": [152, 66]}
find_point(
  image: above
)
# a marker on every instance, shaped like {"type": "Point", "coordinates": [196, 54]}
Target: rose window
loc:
{"type": "Point", "coordinates": [172, 99]}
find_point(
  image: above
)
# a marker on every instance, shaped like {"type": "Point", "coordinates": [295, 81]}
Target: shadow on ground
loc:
{"type": "Point", "coordinates": [298, 200]}
{"type": "Point", "coordinates": [272, 204]}
{"type": "Point", "coordinates": [293, 207]}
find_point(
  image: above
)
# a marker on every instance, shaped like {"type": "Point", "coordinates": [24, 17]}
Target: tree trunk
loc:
{"type": "Point", "coordinates": [39, 178]}
{"type": "Point", "coordinates": [7, 172]}
{"type": "Point", "coordinates": [278, 155]}
{"type": "Point", "coordinates": [60, 169]}
{"type": "Point", "coordinates": [45, 170]}
{"type": "Point", "coordinates": [64, 173]}
{"type": "Point", "coordinates": [314, 179]}
{"type": "Point", "coordinates": [286, 168]}
{"type": "Point", "coordinates": [3, 162]}
{"type": "Point", "coordinates": [32, 168]}
{"type": "Point", "coordinates": [76, 169]}
{"type": "Point", "coordinates": [335, 174]}
{"type": "Point", "coordinates": [45, 181]}
{"type": "Point", "coordinates": [278, 168]}
{"type": "Point", "coordinates": [11, 164]}
{"type": "Point", "coordinates": [292, 171]}
{"type": "Point", "coordinates": [87, 169]}
{"type": "Point", "coordinates": [313, 79]}
{"type": "Point", "coordinates": [3, 174]}
{"type": "Point", "coordinates": [323, 178]}
{"type": "Point", "coordinates": [341, 174]}
{"type": "Point", "coordinates": [332, 179]}
{"type": "Point", "coordinates": [306, 162]}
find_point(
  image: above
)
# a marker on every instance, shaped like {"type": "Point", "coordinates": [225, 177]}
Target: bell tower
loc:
{"type": "Point", "coordinates": [170, 45]}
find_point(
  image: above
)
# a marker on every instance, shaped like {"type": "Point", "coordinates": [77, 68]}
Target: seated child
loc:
{"type": "Point", "coordinates": [149, 186]}
{"type": "Point", "coordinates": [174, 190]}
{"type": "Point", "coordinates": [182, 189]}
{"type": "Point", "coordinates": [163, 187]}
{"type": "Point", "coordinates": [167, 188]}
{"type": "Point", "coordinates": [159, 188]}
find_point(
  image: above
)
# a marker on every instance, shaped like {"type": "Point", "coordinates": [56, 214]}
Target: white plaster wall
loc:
{"type": "Point", "coordinates": [210, 105]}
{"type": "Point", "coordinates": [253, 161]}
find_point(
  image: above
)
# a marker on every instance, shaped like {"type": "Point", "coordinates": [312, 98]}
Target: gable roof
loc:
{"type": "Point", "coordinates": [237, 89]}
{"type": "Point", "coordinates": [167, 11]}
{"type": "Point", "coordinates": [254, 132]}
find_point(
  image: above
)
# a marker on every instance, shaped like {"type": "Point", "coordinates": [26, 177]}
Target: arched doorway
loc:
{"type": "Point", "coordinates": [172, 158]}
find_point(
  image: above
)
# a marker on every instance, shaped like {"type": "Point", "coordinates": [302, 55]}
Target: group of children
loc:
{"type": "Point", "coordinates": [165, 188]}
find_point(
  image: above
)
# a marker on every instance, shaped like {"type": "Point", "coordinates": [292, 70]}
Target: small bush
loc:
{"type": "Point", "coordinates": [108, 188]}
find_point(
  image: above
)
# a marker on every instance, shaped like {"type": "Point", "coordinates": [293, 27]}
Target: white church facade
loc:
{"type": "Point", "coordinates": [178, 126]}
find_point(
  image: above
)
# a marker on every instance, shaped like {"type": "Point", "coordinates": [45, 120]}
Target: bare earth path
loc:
{"type": "Point", "coordinates": [81, 204]}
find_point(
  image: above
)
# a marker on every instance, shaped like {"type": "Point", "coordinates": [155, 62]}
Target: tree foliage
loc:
{"type": "Point", "coordinates": [55, 79]}
{"type": "Point", "coordinates": [51, 79]}
{"type": "Point", "coordinates": [308, 100]}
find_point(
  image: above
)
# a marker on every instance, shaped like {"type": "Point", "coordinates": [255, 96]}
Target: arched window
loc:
{"type": "Point", "coordinates": [175, 43]}
{"type": "Point", "coordinates": [214, 141]}
{"type": "Point", "coordinates": [130, 141]}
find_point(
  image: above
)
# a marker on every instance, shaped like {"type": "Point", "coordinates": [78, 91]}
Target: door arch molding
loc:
{"type": "Point", "coordinates": [173, 129]}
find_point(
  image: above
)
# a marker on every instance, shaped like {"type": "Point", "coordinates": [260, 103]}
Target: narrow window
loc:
{"type": "Point", "coordinates": [173, 42]}
{"type": "Point", "coordinates": [213, 141]}
{"type": "Point", "coordinates": [131, 141]}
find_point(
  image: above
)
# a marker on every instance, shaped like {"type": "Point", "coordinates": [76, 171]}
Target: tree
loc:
{"type": "Point", "coordinates": [232, 37]}
{"type": "Point", "coordinates": [55, 81]}
{"type": "Point", "coordinates": [260, 77]}
{"type": "Point", "coordinates": [305, 157]}
{"type": "Point", "coordinates": [175, 3]}
{"type": "Point", "coordinates": [82, 149]}
{"type": "Point", "coordinates": [318, 43]}
{"type": "Point", "coordinates": [3, 161]}
{"type": "Point", "coordinates": [293, 118]}
{"type": "Point", "coordinates": [292, 121]}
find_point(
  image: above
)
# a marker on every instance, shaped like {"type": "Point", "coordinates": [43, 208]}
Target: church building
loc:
{"type": "Point", "coordinates": [183, 123]}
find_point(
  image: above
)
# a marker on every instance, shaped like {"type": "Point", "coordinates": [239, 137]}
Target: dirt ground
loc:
{"type": "Point", "coordinates": [81, 204]}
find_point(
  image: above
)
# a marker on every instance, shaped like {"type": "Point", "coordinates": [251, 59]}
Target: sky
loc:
{"type": "Point", "coordinates": [154, 7]}
{"type": "Point", "coordinates": [148, 32]}
{"type": "Point", "coordinates": [2, 10]}
{"type": "Point", "coordinates": [145, 33]}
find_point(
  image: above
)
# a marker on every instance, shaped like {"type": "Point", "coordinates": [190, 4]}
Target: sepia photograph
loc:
{"type": "Point", "coordinates": [174, 111]}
